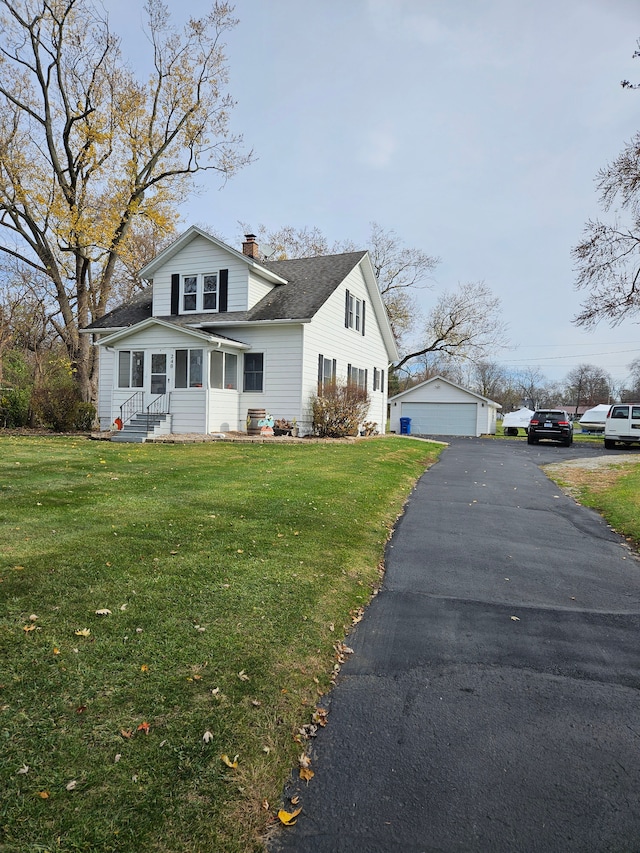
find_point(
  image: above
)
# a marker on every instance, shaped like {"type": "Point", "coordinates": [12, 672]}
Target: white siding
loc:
{"type": "Point", "coordinates": [224, 408]}
{"type": "Point", "coordinates": [201, 256]}
{"type": "Point", "coordinates": [105, 373]}
{"type": "Point", "coordinates": [258, 288]}
{"type": "Point", "coordinates": [282, 348]}
{"type": "Point", "coordinates": [188, 410]}
{"type": "Point", "coordinates": [327, 335]}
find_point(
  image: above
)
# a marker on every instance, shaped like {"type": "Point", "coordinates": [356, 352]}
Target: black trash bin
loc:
{"type": "Point", "coordinates": [405, 426]}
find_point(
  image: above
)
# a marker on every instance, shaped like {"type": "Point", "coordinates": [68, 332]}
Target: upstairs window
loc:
{"type": "Point", "coordinates": [189, 292]}
{"type": "Point", "coordinates": [210, 292]}
{"type": "Point", "coordinates": [130, 369]}
{"type": "Point", "coordinates": [196, 293]}
{"type": "Point", "coordinates": [354, 313]}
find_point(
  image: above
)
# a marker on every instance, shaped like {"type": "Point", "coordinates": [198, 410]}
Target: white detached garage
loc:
{"type": "Point", "coordinates": [440, 407]}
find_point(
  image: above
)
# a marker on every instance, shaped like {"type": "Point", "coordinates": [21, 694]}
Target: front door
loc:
{"type": "Point", "coordinates": [158, 373]}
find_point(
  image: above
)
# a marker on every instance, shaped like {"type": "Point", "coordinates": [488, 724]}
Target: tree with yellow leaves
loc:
{"type": "Point", "coordinates": [91, 157]}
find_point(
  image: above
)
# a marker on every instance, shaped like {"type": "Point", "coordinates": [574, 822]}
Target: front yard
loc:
{"type": "Point", "coordinates": [170, 618]}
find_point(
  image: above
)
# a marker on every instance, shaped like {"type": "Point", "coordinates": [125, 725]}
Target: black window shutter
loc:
{"type": "Point", "coordinates": [175, 293]}
{"type": "Point", "coordinates": [366, 378]}
{"type": "Point", "coordinates": [348, 373]}
{"type": "Point", "coordinates": [320, 372]}
{"type": "Point", "coordinates": [223, 290]}
{"type": "Point", "coordinates": [346, 311]}
{"type": "Point", "coordinates": [333, 370]}
{"type": "Point", "coordinates": [382, 380]}
{"type": "Point", "coordinates": [363, 307]}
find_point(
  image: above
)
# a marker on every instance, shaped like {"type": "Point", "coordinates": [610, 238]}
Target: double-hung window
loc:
{"type": "Point", "coordinates": [354, 313]}
{"type": "Point", "coordinates": [199, 292]}
{"type": "Point", "coordinates": [253, 371]}
{"type": "Point", "coordinates": [357, 376]}
{"type": "Point", "coordinates": [326, 373]}
{"type": "Point", "coordinates": [189, 368]}
{"type": "Point", "coordinates": [130, 369]}
{"type": "Point", "coordinates": [224, 370]}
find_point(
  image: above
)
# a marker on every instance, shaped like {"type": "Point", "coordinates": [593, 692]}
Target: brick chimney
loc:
{"type": "Point", "coordinates": [250, 247]}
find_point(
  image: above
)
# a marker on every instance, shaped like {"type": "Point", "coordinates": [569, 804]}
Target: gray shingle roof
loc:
{"type": "Point", "coordinates": [310, 282]}
{"type": "Point", "coordinates": [132, 312]}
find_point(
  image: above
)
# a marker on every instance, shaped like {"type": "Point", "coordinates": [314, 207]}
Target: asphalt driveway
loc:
{"type": "Point", "coordinates": [492, 701]}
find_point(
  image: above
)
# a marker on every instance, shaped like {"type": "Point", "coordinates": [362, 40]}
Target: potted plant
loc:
{"type": "Point", "coordinates": [282, 426]}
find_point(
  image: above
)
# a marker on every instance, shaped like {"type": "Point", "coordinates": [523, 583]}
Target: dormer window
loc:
{"type": "Point", "coordinates": [200, 292]}
{"type": "Point", "coordinates": [195, 293]}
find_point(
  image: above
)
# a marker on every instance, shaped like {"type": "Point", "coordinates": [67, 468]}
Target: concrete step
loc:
{"type": "Point", "coordinates": [139, 428]}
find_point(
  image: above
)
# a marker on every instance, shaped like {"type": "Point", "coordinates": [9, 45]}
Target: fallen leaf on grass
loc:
{"type": "Point", "coordinates": [242, 675]}
{"type": "Point", "coordinates": [104, 611]}
{"type": "Point", "coordinates": [44, 795]}
{"type": "Point", "coordinates": [265, 805]}
{"type": "Point", "coordinates": [304, 760]}
{"type": "Point", "coordinates": [126, 733]}
{"type": "Point", "coordinates": [207, 737]}
{"type": "Point", "coordinates": [33, 618]}
{"type": "Point", "coordinates": [23, 770]}
{"type": "Point", "coordinates": [82, 632]}
{"type": "Point", "coordinates": [144, 727]}
{"type": "Point", "coordinates": [233, 764]}
{"type": "Point", "coordinates": [27, 628]}
{"type": "Point", "coordinates": [144, 668]}
{"type": "Point", "coordinates": [288, 818]}
{"type": "Point", "coordinates": [71, 785]}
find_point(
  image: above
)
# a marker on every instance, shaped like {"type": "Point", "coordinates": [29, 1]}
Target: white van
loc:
{"type": "Point", "coordinates": [622, 424]}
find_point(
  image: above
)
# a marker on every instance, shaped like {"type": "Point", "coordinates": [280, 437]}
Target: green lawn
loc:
{"type": "Point", "coordinates": [230, 572]}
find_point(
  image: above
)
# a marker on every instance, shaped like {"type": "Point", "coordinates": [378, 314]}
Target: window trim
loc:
{"type": "Point", "coordinates": [199, 293]}
{"type": "Point", "coordinates": [361, 377]}
{"type": "Point", "coordinates": [130, 354]}
{"type": "Point", "coordinates": [323, 381]}
{"type": "Point", "coordinates": [354, 312]}
{"type": "Point", "coordinates": [256, 373]}
{"type": "Point", "coordinates": [191, 354]}
{"type": "Point", "coordinates": [224, 386]}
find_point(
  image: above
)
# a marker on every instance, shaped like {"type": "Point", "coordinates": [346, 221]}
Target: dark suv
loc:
{"type": "Point", "coordinates": [550, 423]}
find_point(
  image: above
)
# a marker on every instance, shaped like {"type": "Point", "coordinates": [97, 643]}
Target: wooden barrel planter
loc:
{"type": "Point", "coordinates": [253, 416]}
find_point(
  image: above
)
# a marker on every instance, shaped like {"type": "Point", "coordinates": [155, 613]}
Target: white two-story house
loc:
{"type": "Point", "coordinates": [219, 332]}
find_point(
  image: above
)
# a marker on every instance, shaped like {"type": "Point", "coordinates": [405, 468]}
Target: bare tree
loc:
{"type": "Point", "coordinates": [632, 391]}
{"type": "Point", "coordinates": [488, 378]}
{"type": "Point", "coordinates": [87, 150]}
{"type": "Point", "coordinates": [461, 325]}
{"type": "Point", "coordinates": [608, 256]}
{"type": "Point", "coordinates": [587, 385]}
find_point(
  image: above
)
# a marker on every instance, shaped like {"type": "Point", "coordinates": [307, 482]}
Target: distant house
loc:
{"type": "Point", "coordinates": [219, 333]}
{"type": "Point", "coordinates": [440, 407]}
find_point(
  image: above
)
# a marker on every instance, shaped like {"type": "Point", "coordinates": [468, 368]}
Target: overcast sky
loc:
{"type": "Point", "coordinates": [472, 128]}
